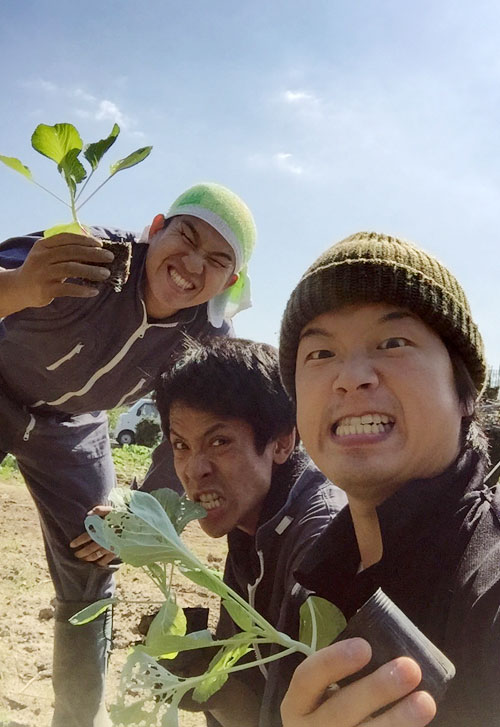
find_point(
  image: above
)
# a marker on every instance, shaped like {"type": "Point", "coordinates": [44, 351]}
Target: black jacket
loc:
{"type": "Point", "coordinates": [441, 566]}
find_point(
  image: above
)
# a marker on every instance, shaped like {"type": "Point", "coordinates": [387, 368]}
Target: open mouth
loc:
{"type": "Point", "coordinates": [365, 424]}
{"type": "Point", "coordinates": [210, 500]}
{"type": "Point", "coordinates": [179, 281]}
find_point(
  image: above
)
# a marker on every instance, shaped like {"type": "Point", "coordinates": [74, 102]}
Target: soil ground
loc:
{"type": "Point", "coordinates": [26, 613]}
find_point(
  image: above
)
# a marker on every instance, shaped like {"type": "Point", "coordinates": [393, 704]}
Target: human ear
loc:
{"type": "Point", "coordinates": [157, 224]}
{"type": "Point", "coordinates": [232, 280]}
{"type": "Point", "coordinates": [283, 446]}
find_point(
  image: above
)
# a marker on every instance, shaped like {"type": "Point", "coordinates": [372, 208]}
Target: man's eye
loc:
{"type": "Point", "coordinates": [320, 353]}
{"type": "Point", "coordinates": [178, 445]}
{"type": "Point", "coordinates": [219, 442]}
{"type": "Point", "coordinates": [393, 343]}
{"type": "Point", "coordinates": [217, 263]}
{"type": "Point", "coordinates": [187, 239]}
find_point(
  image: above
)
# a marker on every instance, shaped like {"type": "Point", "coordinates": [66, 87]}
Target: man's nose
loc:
{"type": "Point", "coordinates": [355, 372]}
{"type": "Point", "coordinates": [198, 466]}
{"type": "Point", "coordinates": [194, 261]}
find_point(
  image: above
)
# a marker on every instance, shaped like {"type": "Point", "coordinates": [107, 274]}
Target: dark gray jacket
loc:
{"type": "Point", "coordinates": [81, 355]}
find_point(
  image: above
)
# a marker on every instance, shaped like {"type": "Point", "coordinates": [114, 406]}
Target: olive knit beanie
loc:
{"type": "Point", "coordinates": [229, 215]}
{"type": "Point", "coordinates": [370, 268]}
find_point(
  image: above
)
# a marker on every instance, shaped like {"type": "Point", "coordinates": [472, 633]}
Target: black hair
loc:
{"type": "Point", "coordinates": [473, 434]}
{"type": "Point", "coordinates": [229, 377]}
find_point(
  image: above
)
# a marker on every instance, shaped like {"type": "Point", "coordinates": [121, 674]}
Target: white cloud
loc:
{"type": "Point", "coordinates": [282, 161]}
{"type": "Point", "coordinates": [285, 162]}
{"type": "Point", "coordinates": [296, 97]}
{"type": "Point", "coordinates": [107, 110]}
{"type": "Point", "coordinates": [40, 84]}
{"type": "Point", "coordinates": [82, 95]}
{"type": "Point", "coordinates": [89, 106]}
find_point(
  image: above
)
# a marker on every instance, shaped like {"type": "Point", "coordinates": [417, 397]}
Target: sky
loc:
{"type": "Point", "coordinates": [328, 117]}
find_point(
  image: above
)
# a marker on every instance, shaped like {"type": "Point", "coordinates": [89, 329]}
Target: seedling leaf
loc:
{"type": "Point", "coordinates": [320, 622]}
{"type": "Point", "coordinates": [131, 160]}
{"type": "Point", "coordinates": [171, 645]}
{"type": "Point", "coordinates": [93, 153]}
{"type": "Point", "coordinates": [74, 227]}
{"type": "Point", "coordinates": [179, 509]}
{"type": "Point", "coordinates": [169, 621]}
{"type": "Point", "coordinates": [17, 166]}
{"type": "Point", "coordinates": [240, 616]}
{"type": "Point", "coordinates": [225, 658]}
{"type": "Point", "coordinates": [55, 141]}
{"type": "Point", "coordinates": [72, 169]}
{"type": "Point", "coordinates": [206, 578]}
{"type": "Point", "coordinates": [91, 612]}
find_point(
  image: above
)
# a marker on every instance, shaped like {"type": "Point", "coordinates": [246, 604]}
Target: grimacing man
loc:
{"type": "Point", "coordinates": [379, 349]}
{"type": "Point", "coordinates": [232, 429]}
{"type": "Point", "coordinates": [69, 352]}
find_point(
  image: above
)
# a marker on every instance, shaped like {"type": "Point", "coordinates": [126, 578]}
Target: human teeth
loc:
{"type": "Point", "coordinates": [210, 501]}
{"type": "Point", "coordinates": [355, 425]}
{"type": "Point", "coordinates": [179, 280]}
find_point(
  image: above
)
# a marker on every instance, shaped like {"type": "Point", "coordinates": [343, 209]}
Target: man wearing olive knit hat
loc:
{"type": "Point", "coordinates": [380, 352]}
{"type": "Point", "coordinates": [69, 352]}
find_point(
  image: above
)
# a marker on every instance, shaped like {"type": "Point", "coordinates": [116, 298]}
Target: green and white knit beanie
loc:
{"type": "Point", "coordinates": [229, 215]}
{"type": "Point", "coordinates": [371, 268]}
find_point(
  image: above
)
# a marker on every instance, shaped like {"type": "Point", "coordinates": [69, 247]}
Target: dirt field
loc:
{"type": "Point", "coordinates": [26, 614]}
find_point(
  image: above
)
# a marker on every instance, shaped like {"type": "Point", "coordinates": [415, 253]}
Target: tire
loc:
{"type": "Point", "coordinates": [125, 437]}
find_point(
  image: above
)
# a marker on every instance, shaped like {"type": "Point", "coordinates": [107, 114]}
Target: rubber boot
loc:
{"type": "Point", "coordinates": [79, 669]}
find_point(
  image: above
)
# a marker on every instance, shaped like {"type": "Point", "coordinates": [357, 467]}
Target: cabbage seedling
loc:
{"type": "Point", "coordinates": [144, 530]}
{"type": "Point", "coordinates": [63, 145]}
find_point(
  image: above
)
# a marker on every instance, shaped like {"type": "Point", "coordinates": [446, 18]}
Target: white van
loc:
{"type": "Point", "coordinates": [125, 427]}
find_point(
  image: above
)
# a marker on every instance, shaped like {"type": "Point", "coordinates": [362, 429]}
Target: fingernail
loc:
{"type": "Point", "coordinates": [402, 676]}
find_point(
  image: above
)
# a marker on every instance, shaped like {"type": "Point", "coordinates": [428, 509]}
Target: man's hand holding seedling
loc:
{"type": "Point", "coordinates": [87, 549]}
{"type": "Point", "coordinates": [49, 272]}
{"type": "Point", "coordinates": [65, 252]}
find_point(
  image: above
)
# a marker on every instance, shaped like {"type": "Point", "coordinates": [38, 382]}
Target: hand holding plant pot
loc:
{"type": "Point", "coordinates": [51, 267]}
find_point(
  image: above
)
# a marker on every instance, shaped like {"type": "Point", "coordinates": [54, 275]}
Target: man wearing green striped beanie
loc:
{"type": "Point", "coordinates": [381, 354]}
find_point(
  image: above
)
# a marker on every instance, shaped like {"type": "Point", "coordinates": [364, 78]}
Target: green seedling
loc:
{"type": "Point", "coordinates": [63, 145]}
{"type": "Point", "coordinates": [144, 530]}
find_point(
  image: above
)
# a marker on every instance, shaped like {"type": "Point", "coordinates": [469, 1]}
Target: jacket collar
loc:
{"type": "Point", "coordinates": [417, 508]}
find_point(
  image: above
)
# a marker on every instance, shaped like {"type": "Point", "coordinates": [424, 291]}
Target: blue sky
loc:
{"type": "Point", "coordinates": [327, 117]}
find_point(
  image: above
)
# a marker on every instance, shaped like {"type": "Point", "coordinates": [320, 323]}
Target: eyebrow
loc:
{"type": "Point", "coordinates": [396, 315]}
{"type": "Point", "coordinates": [210, 430]}
{"type": "Point", "coordinates": [392, 316]}
{"type": "Point", "coordinates": [215, 253]}
{"type": "Point", "coordinates": [314, 332]}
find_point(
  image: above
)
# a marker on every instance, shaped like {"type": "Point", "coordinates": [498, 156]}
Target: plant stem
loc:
{"type": "Point", "coordinates": [314, 634]}
{"type": "Point", "coordinates": [84, 185]}
{"type": "Point", "coordinates": [94, 192]}
{"type": "Point", "coordinates": [49, 192]}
